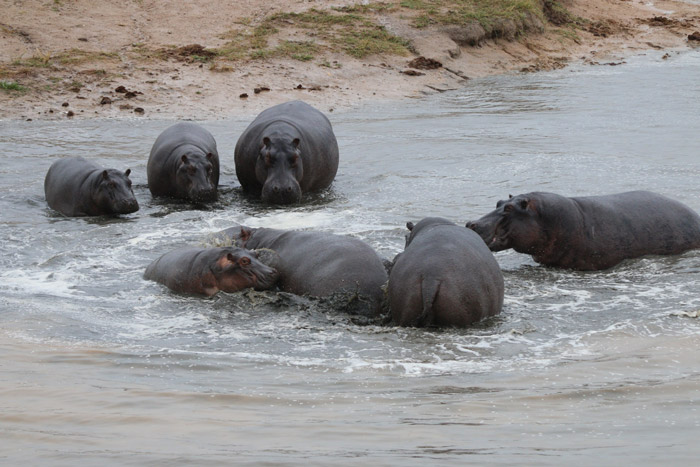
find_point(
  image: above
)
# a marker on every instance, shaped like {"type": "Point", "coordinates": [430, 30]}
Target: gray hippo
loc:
{"type": "Point", "coordinates": [287, 150]}
{"type": "Point", "coordinates": [205, 271]}
{"type": "Point", "coordinates": [592, 232]}
{"type": "Point", "coordinates": [184, 164]}
{"type": "Point", "coordinates": [319, 264]}
{"type": "Point", "coordinates": [444, 277]}
{"type": "Point", "coordinates": [77, 187]}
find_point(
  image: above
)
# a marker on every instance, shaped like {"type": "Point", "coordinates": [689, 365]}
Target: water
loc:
{"type": "Point", "coordinates": [99, 365]}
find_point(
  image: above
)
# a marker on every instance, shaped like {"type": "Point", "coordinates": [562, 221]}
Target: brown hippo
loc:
{"type": "Point", "coordinates": [592, 232]}
{"type": "Point", "coordinates": [287, 150]}
{"type": "Point", "coordinates": [319, 264]}
{"type": "Point", "coordinates": [184, 164]}
{"type": "Point", "coordinates": [205, 271]}
{"type": "Point", "coordinates": [77, 187]}
{"type": "Point", "coordinates": [445, 277]}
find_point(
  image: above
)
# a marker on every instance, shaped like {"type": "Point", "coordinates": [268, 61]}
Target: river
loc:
{"type": "Point", "coordinates": [100, 366]}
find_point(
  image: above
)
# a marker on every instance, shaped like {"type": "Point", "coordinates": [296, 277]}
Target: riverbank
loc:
{"type": "Point", "coordinates": [208, 60]}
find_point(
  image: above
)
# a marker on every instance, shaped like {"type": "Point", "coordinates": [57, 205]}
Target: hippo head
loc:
{"type": "Point", "coordinates": [515, 223]}
{"type": "Point", "coordinates": [423, 225]}
{"type": "Point", "coordinates": [238, 268]}
{"type": "Point", "coordinates": [198, 176]}
{"type": "Point", "coordinates": [113, 192]}
{"type": "Point", "coordinates": [280, 168]}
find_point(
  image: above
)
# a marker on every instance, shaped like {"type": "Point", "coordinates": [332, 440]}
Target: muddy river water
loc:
{"type": "Point", "coordinates": [99, 366]}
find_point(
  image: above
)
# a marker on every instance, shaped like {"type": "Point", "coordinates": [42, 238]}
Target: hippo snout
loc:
{"type": "Point", "coordinates": [202, 194]}
{"type": "Point", "coordinates": [266, 277]}
{"type": "Point", "coordinates": [126, 206]}
{"type": "Point", "coordinates": [278, 193]}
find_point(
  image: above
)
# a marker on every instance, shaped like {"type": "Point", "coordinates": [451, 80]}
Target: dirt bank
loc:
{"type": "Point", "coordinates": [212, 59]}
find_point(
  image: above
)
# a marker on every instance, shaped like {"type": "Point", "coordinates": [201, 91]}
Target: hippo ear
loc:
{"type": "Point", "coordinates": [184, 159]}
{"type": "Point", "coordinates": [128, 172]}
{"type": "Point", "coordinates": [510, 196]}
{"type": "Point", "coordinates": [245, 235]}
{"type": "Point", "coordinates": [210, 156]}
{"type": "Point", "coordinates": [105, 175]}
{"type": "Point", "coordinates": [295, 143]}
{"type": "Point", "coordinates": [409, 225]}
{"type": "Point", "coordinates": [266, 142]}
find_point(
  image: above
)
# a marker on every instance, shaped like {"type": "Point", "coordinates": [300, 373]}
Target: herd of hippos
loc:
{"type": "Point", "coordinates": [446, 275]}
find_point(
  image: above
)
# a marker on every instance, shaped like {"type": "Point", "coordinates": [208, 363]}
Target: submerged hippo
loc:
{"type": "Point", "coordinates": [77, 187]}
{"type": "Point", "coordinates": [205, 271]}
{"type": "Point", "coordinates": [319, 264]}
{"type": "Point", "coordinates": [590, 233]}
{"type": "Point", "coordinates": [445, 277]}
{"type": "Point", "coordinates": [287, 150]}
{"type": "Point", "coordinates": [184, 164]}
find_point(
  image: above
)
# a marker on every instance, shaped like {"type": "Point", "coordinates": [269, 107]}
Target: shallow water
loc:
{"type": "Point", "coordinates": [99, 365]}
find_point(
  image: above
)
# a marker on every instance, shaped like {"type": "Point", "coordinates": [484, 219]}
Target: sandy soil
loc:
{"type": "Point", "coordinates": [172, 88]}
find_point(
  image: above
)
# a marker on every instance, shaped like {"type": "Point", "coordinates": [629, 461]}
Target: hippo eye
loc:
{"type": "Point", "coordinates": [293, 160]}
{"type": "Point", "coordinates": [268, 160]}
{"type": "Point", "coordinates": [523, 204]}
{"type": "Point", "coordinates": [191, 170]}
{"type": "Point", "coordinates": [244, 261]}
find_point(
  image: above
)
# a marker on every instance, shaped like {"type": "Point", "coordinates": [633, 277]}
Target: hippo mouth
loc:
{"type": "Point", "coordinates": [495, 234]}
{"type": "Point", "coordinates": [203, 195]}
{"type": "Point", "coordinates": [263, 280]}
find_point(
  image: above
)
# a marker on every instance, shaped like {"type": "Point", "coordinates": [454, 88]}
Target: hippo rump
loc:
{"type": "Point", "coordinates": [592, 232]}
{"type": "Point", "coordinates": [77, 187]}
{"type": "Point", "coordinates": [205, 271]}
{"type": "Point", "coordinates": [319, 264]}
{"type": "Point", "coordinates": [287, 150]}
{"type": "Point", "coordinates": [184, 164]}
{"type": "Point", "coordinates": [444, 277]}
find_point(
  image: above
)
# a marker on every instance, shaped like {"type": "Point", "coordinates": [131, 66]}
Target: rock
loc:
{"type": "Point", "coordinates": [105, 100]}
{"type": "Point", "coordinates": [244, 95]}
{"type": "Point", "coordinates": [69, 113]}
{"type": "Point", "coordinates": [65, 104]}
{"type": "Point", "coordinates": [261, 89]}
{"type": "Point", "coordinates": [471, 34]}
{"type": "Point", "coordinates": [139, 110]}
{"type": "Point", "coordinates": [120, 89]}
{"type": "Point", "coordinates": [694, 36]}
{"type": "Point", "coordinates": [412, 73]}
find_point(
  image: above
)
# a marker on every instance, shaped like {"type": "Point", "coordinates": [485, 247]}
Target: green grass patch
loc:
{"type": "Point", "coordinates": [352, 30]}
{"type": "Point", "coordinates": [11, 86]}
{"type": "Point", "coordinates": [456, 12]}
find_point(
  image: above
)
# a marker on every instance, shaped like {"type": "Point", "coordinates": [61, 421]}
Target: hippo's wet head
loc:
{"type": "Point", "coordinates": [515, 223]}
{"type": "Point", "coordinates": [198, 176]}
{"type": "Point", "coordinates": [113, 192]}
{"type": "Point", "coordinates": [279, 168]}
{"type": "Point", "coordinates": [238, 269]}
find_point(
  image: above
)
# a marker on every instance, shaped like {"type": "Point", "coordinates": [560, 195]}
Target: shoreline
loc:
{"type": "Point", "coordinates": [109, 83]}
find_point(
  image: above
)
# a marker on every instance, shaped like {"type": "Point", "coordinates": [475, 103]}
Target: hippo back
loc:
{"type": "Point", "coordinates": [445, 277]}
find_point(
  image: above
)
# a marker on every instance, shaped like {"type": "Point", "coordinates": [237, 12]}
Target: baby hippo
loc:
{"type": "Point", "coordinates": [77, 187]}
{"type": "Point", "coordinates": [184, 164]}
{"type": "Point", "coordinates": [446, 276]}
{"type": "Point", "coordinates": [205, 271]}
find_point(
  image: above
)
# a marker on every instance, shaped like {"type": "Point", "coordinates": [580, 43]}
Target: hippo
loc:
{"type": "Point", "coordinates": [287, 150]}
{"type": "Point", "coordinates": [319, 264]}
{"type": "Point", "coordinates": [184, 164]}
{"type": "Point", "coordinates": [76, 187]}
{"type": "Point", "coordinates": [444, 277]}
{"type": "Point", "coordinates": [589, 233]}
{"type": "Point", "coordinates": [205, 271]}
